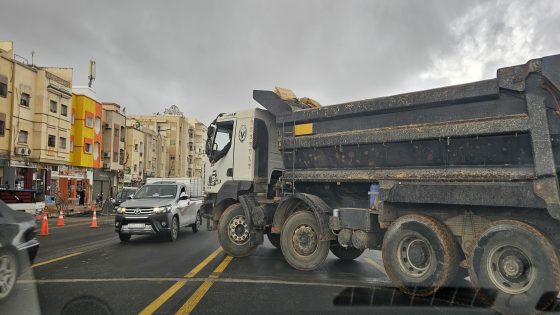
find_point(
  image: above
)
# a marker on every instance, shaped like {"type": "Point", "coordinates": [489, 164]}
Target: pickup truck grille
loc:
{"type": "Point", "coordinates": [138, 211]}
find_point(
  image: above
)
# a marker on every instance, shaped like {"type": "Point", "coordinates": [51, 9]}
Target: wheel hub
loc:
{"type": "Point", "coordinates": [304, 240]}
{"type": "Point", "coordinates": [7, 275]}
{"type": "Point", "coordinates": [238, 230]}
{"type": "Point", "coordinates": [510, 269]}
{"type": "Point", "coordinates": [414, 256]}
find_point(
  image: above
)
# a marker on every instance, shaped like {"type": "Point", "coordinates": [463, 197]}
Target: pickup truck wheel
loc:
{"type": "Point", "coordinates": [515, 268]}
{"type": "Point", "coordinates": [345, 253]}
{"type": "Point", "coordinates": [173, 230]}
{"type": "Point", "coordinates": [300, 242]}
{"type": "Point", "coordinates": [196, 225]}
{"type": "Point", "coordinates": [124, 237]}
{"type": "Point", "coordinates": [274, 239]}
{"type": "Point", "coordinates": [8, 273]}
{"type": "Point", "coordinates": [233, 232]}
{"type": "Point", "coordinates": [420, 254]}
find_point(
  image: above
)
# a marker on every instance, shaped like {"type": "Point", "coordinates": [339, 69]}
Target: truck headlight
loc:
{"type": "Point", "coordinates": [163, 209]}
{"type": "Point", "coordinates": [121, 210]}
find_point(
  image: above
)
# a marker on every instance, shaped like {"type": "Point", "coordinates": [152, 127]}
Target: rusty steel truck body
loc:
{"type": "Point", "coordinates": [448, 182]}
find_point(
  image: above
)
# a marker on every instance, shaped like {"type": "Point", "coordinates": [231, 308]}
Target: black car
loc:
{"type": "Point", "coordinates": [18, 246]}
{"type": "Point", "coordinates": [123, 195]}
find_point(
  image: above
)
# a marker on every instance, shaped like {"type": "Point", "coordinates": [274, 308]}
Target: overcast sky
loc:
{"type": "Point", "coordinates": [207, 56]}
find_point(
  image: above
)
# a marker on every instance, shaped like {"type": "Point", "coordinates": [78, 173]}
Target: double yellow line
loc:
{"type": "Point", "coordinates": [197, 296]}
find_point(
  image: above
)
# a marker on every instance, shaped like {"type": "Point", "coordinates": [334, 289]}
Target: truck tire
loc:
{"type": "Point", "coordinates": [300, 242]}
{"type": "Point", "coordinates": [274, 239]}
{"type": "Point", "coordinates": [419, 254]}
{"type": "Point", "coordinates": [233, 232]}
{"type": "Point", "coordinates": [124, 237]}
{"type": "Point", "coordinates": [196, 225]}
{"type": "Point", "coordinates": [8, 273]}
{"type": "Point", "coordinates": [345, 253]}
{"type": "Point", "coordinates": [515, 267]}
{"type": "Point", "coordinates": [173, 233]}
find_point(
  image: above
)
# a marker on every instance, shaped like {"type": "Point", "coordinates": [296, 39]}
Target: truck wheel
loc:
{"type": "Point", "coordinates": [515, 268]}
{"type": "Point", "coordinates": [174, 230]}
{"type": "Point", "coordinates": [233, 232]}
{"type": "Point", "coordinates": [419, 254]}
{"type": "Point", "coordinates": [345, 253]}
{"type": "Point", "coordinates": [124, 237]}
{"type": "Point", "coordinates": [198, 222]}
{"type": "Point", "coordinates": [300, 242]}
{"type": "Point", "coordinates": [274, 239]}
{"type": "Point", "coordinates": [8, 273]}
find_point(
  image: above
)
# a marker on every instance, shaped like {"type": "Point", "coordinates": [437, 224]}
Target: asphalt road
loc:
{"type": "Point", "coordinates": [89, 271]}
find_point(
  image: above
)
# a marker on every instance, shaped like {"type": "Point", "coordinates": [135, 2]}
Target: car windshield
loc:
{"type": "Point", "coordinates": [125, 193]}
{"type": "Point", "coordinates": [156, 191]}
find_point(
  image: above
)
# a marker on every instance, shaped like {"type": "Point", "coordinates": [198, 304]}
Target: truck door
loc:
{"type": "Point", "coordinates": [221, 158]}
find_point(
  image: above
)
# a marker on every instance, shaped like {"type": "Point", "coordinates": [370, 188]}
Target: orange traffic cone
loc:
{"type": "Point", "coordinates": [60, 221]}
{"type": "Point", "coordinates": [94, 219]}
{"type": "Point", "coordinates": [44, 226]}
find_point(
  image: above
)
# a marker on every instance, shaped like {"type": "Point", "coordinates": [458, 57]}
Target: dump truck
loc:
{"type": "Point", "coordinates": [448, 182]}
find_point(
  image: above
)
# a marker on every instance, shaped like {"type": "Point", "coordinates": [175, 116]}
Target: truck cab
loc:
{"type": "Point", "coordinates": [243, 157]}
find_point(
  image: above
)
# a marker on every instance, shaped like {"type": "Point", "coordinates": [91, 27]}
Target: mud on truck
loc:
{"type": "Point", "coordinates": [449, 182]}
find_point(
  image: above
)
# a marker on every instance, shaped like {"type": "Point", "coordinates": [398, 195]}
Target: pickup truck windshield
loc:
{"type": "Point", "coordinates": [156, 191]}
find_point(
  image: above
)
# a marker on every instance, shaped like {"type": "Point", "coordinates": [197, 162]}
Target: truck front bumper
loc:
{"type": "Point", "coordinates": [141, 225]}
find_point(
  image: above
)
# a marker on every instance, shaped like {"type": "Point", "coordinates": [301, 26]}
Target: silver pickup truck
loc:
{"type": "Point", "coordinates": [160, 208]}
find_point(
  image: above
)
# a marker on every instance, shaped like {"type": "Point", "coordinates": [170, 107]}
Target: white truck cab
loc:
{"type": "Point", "coordinates": [243, 156]}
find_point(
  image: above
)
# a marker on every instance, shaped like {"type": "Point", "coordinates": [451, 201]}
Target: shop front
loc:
{"type": "Point", "coordinates": [72, 181]}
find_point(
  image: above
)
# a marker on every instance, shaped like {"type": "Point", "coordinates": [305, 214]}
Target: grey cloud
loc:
{"type": "Point", "coordinates": [207, 56]}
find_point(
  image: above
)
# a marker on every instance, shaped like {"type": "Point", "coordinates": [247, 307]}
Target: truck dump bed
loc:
{"type": "Point", "coordinates": [504, 130]}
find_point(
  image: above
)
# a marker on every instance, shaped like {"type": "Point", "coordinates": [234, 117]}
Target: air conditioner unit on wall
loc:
{"type": "Point", "coordinates": [106, 154]}
{"type": "Point", "coordinates": [106, 126]}
{"type": "Point", "coordinates": [23, 151]}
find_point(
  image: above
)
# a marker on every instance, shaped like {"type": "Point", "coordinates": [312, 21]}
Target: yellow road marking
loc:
{"type": "Point", "coordinates": [191, 303]}
{"type": "Point", "coordinates": [375, 264]}
{"type": "Point", "coordinates": [55, 259]}
{"type": "Point", "coordinates": [157, 303]}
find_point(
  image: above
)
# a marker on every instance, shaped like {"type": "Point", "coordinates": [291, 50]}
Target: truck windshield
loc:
{"type": "Point", "coordinates": [156, 191]}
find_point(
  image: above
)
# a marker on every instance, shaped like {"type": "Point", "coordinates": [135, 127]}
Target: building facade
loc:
{"type": "Point", "coordinates": [109, 178]}
{"type": "Point", "coordinates": [35, 122]}
{"type": "Point", "coordinates": [185, 138]}
{"type": "Point", "coordinates": [85, 144]}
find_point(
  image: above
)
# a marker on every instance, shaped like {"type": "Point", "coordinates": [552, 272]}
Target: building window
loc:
{"type": "Point", "coordinates": [52, 141]}
{"type": "Point", "coordinates": [72, 117]}
{"type": "Point", "coordinates": [62, 143]}
{"type": "Point", "coordinates": [172, 158]}
{"type": "Point", "coordinates": [122, 134]}
{"type": "Point", "coordinates": [136, 147]}
{"type": "Point", "coordinates": [64, 110]}
{"type": "Point", "coordinates": [3, 88]}
{"type": "Point", "coordinates": [115, 156]}
{"type": "Point", "coordinates": [2, 124]}
{"type": "Point", "coordinates": [96, 150]}
{"type": "Point", "coordinates": [97, 124]}
{"type": "Point", "coordinates": [54, 107]}
{"type": "Point", "coordinates": [135, 167]}
{"type": "Point", "coordinates": [22, 136]}
{"type": "Point", "coordinates": [171, 142]}
{"type": "Point", "coordinates": [89, 120]}
{"type": "Point", "coordinates": [71, 145]}
{"type": "Point", "coordinates": [87, 148]}
{"type": "Point", "coordinates": [24, 99]}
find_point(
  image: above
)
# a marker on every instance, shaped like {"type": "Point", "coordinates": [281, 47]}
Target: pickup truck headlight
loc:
{"type": "Point", "coordinates": [163, 209]}
{"type": "Point", "coordinates": [121, 210]}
